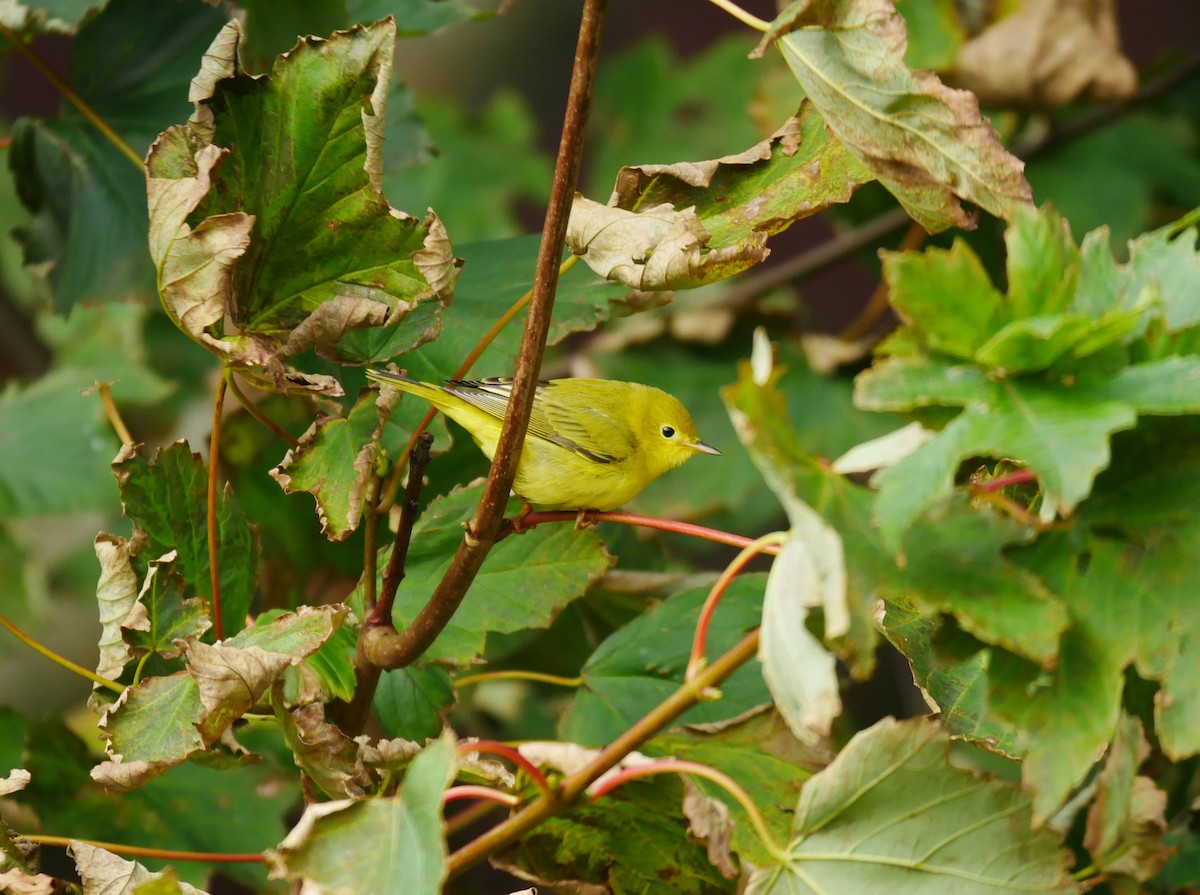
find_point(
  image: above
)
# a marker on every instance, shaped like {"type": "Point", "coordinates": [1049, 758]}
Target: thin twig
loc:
{"type": "Point", "coordinates": [257, 412]}
{"type": "Point", "coordinates": [57, 659]}
{"type": "Point", "coordinates": [381, 612]}
{"type": "Point", "coordinates": [141, 851]}
{"type": "Point", "coordinates": [741, 15]}
{"type": "Point", "coordinates": [68, 93]}
{"type": "Point", "coordinates": [351, 716]}
{"type": "Point", "coordinates": [776, 540]}
{"type": "Point", "coordinates": [1016, 477]}
{"type": "Point", "coordinates": [537, 677]}
{"type": "Point", "coordinates": [457, 793]}
{"type": "Point", "coordinates": [403, 648]}
{"type": "Point", "coordinates": [877, 305]}
{"type": "Point", "coordinates": [214, 572]}
{"type": "Point", "coordinates": [114, 415]}
{"type": "Point", "coordinates": [574, 784]}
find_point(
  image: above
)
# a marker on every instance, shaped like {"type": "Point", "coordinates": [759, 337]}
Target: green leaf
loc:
{"type": "Point", "coordinates": [928, 144]}
{"type": "Point", "coordinates": [132, 64]}
{"type": "Point", "coordinates": [643, 663]}
{"type": "Point", "coordinates": [369, 844]}
{"type": "Point", "coordinates": [892, 814]}
{"type": "Point", "coordinates": [411, 702]}
{"type": "Point", "coordinates": [335, 460]}
{"type": "Point", "coordinates": [1127, 577]}
{"type": "Point", "coordinates": [55, 443]}
{"type": "Point", "coordinates": [954, 561]}
{"type": "Point", "coordinates": [630, 841]}
{"type": "Point", "coordinates": [526, 580]}
{"type": "Point", "coordinates": [167, 500]}
{"type": "Point", "coordinates": [925, 286]}
{"type": "Point", "coordinates": [683, 225]}
{"type": "Point", "coordinates": [327, 255]}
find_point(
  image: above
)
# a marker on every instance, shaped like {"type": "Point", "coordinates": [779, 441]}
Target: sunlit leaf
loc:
{"type": "Point", "coordinates": [891, 813]}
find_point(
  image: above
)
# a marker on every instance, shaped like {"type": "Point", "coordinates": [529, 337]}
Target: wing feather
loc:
{"type": "Point", "coordinates": [581, 427]}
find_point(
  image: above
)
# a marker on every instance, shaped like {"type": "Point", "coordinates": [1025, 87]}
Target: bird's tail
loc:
{"type": "Point", "coordinates": [434, 394]}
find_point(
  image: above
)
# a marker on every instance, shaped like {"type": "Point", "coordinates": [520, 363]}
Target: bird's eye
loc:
{"type": "Point", "coordinates": [668, 432]}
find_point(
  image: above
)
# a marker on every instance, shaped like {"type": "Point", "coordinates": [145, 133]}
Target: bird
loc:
{"type": "Point", "coordinates": [591, 444]}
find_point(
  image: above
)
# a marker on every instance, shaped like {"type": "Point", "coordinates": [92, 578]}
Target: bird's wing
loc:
{"type": "Point", "coordinates": [583, 429]}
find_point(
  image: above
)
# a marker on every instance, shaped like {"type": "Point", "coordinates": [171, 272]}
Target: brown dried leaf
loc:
{"type": "Point", "coordinates": [1047, 54]}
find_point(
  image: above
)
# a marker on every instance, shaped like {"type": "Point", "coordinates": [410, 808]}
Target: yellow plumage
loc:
{"type": "Point", "coordinates": [592, 444]}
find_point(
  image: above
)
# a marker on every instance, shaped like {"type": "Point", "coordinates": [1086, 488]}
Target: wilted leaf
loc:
{"type": "Point", "coordinates": [327, 255]}
{"type": "Point", "coordinates": [167, 499]}
{"type": "Point", "coordinates": [642, 663]}
{"type": "Point", "coordinates": [1047, 53]}
{"type": "Point", "coordinates": [798, 669]}
{"type": "Point", "coordinates": [346, 847]}
{"type": "Point", "coordinates": [1126, 821]}
{"type": "Point", "coordinates": [336, 459]}
{"type": "Point", "coordinates": [327, 757]}
{"type": "Point", "coordinates": [892, 814]}
{"type": "Point", "coordinates": [116, 594]}
{"type": "Point", "coordinates": [682, 225]}
{"type": "Point", "coordinates": [162, 721]}
{"type": "Point", "coordinates": [928, 144]}
{"type": "Point", "coordinates": [103, 873]}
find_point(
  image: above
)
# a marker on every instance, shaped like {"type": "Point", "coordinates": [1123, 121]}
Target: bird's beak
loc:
{"type": "Point", "coordinates": [701, 448]}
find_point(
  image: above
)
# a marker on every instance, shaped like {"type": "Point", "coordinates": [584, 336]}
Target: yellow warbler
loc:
{"type": "Point", "coordinates": [592, 444]}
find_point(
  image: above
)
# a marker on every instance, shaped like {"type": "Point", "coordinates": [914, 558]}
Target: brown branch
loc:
{"type": "Point", "coordinates": [390, 650]}
{"type": "Point", "coordinates": [381, 612]}
{"type": "Point", "coordinates": [352, 716]}
{"type": "Point", "coordinates": [573, 785]}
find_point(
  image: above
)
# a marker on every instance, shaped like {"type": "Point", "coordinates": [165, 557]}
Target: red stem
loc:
{"type": "Point", "coordinates": [530, 520]}
{"type": "Point", "coordinates": [456, 793]}
{"type": "Point", "coordinates": [491, 747]}
{"type": "Point", "coordinates": [1016, 477]}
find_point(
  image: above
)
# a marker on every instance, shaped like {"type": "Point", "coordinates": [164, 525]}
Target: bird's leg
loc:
{"type": "Point", "coordinates": [518, 521]}
{"type": "Point", "coordinates": [582, 521]}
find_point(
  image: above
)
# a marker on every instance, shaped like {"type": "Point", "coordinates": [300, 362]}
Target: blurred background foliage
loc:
{"type": "Point", "coordinates": [472, 128]}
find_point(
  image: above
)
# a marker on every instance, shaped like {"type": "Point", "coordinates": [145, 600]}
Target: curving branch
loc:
{"type": "Point", "coordinates": [384, 647]}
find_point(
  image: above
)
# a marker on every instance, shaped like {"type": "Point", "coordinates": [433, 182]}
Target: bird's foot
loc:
{"type": "Point", "coordinates": [583, 520]}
